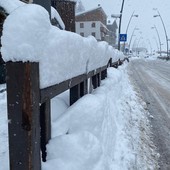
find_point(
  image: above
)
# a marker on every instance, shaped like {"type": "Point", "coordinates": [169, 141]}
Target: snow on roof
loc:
{"type": "Point", "coordinates": [84, 12]}
{"type": "Point", "coordinates": [111, 21]}
{"type": "Point", "coordinates": [11, 5]}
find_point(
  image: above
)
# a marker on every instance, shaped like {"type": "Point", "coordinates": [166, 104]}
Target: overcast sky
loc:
{"type": "Point", "coordinates": [144, 8]}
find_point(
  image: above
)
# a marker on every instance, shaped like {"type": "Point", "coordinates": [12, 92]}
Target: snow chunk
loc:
{"type": "Point", "coordinates": [81, 151]}
{"type": "Point", "coordinates": [24, 40]}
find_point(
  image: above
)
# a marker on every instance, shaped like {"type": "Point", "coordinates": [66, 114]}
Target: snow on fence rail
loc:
{"type": "Point", "coordinates": [29, 109]}
{"type": "Point", "coordinates": [42, 62]}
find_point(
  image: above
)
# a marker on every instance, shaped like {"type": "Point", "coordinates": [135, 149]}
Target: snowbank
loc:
{"type": "Point", "coordinates": [105, 130]}
{"type": "Point", "coordinates": [61, 54]}
{"type": "Point", "coordinates": [102, 130]}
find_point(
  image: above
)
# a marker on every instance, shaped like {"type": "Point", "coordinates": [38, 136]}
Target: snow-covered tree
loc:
{"type": "Point", "coordinates": [79, 6]}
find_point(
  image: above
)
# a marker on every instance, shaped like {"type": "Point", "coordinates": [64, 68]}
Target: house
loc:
{"type": "Point", "coordinates": [112, 34]}
{"type": "Point", "coordinates": [92, 22]}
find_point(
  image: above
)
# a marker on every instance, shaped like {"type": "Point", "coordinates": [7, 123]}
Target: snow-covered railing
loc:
{"type": "Point", "coordinates": [29, 109]}
{"type": "Point", "coordinates": [42, 62]}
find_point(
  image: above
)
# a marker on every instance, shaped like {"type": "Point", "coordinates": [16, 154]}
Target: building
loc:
{"type": "Point", "coordinates": [92, 22]}
{"type": "Point", "coordinates": [112, 34]}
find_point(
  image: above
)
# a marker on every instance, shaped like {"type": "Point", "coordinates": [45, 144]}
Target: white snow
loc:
{"type": "Point", "coordinates": [66, 53]}
{"type": "Point", "coordinates": [107, 129]}
{"type": "Point", "coordinates": [55, 14]}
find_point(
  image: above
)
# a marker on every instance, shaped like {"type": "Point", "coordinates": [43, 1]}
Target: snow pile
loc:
{"type": "Point", "coordinates": [103, 130]}
{"type": "Point", "coordinates": [66, 53]}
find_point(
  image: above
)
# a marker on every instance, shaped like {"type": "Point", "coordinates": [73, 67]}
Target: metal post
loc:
{"type": "Point", "coordinates": [159, 15]}
{"type": "Point", "coordinates": [158, 39]}
{"type": "Point", "coordinates": [121, 11]}
{"type": "Point", "coordinates": [132, 36]}
{"type": "Point", "coordinates": [128, 26]}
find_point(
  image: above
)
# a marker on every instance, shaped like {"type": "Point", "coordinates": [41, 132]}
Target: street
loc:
{"type": "Point", "coordinates": [152, 80]}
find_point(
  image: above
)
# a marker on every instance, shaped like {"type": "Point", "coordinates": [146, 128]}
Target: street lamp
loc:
{"type": "Point", "coordinates": [120, 17]}
{"type": "Point", "coordinates": [154, 27]}
{"type": "Point", "coordinates": [121, 11]}
{"type": "Point", "coordinates": [150, 46]}
{"type": "Point", "coordinates": [132, 36]}
{"type": "Point", "coordinates": [129, 24]}
{"type": "Point", "coordinates": [158, 15]}
{"type": "Point", "coordinates": [156, 43]}
{"type": "Point", "coordinates": [137, 48]}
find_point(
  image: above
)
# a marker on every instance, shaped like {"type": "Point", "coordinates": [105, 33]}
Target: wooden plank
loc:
{"type": "Point", "coordinates": [45, 122]}
{"type": "Point", "coordinates": [23, 115]}
{"type": "Point", "coordinates": [52, 91]}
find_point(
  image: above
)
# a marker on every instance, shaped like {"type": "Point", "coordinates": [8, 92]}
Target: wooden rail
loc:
{"type": "Point", "coordinates": [29, 110]}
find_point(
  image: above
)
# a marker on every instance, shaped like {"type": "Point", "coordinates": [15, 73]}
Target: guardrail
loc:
{"type": "Point", "coordinates": [29, 108]}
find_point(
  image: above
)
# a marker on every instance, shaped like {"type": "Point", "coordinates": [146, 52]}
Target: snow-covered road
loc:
{"type": "Point", "coordinates": [153, 80]}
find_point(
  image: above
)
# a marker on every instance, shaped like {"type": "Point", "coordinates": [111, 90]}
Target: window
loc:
{"type": "Point", "coordinates": [93, 34]}
{"type": "Point", "coordinates": [82, 34]}
{"type": "Point", "coordinates": [81, 25]}
{"type": "Point", "coordinates": [93, 25]}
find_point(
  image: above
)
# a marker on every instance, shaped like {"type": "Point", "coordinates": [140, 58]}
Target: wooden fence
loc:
{"type": "Point", "coordinates": [29, 108]}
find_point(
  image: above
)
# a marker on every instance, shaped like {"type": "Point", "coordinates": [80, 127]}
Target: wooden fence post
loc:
{"type": "Point", "coordinates": [74, 94]}
{"type": "Point", "coordinates": [83, 88]}
{"type": "Point", "coordinates": [98, 79]}
{"type": "Point", "coordinates": [103, 74]}
{"type": "Point", "coordinates": [45, 122]}
{"type": "Point", "coordinates": [23, 115]}
{"type": "Point", "coordinates": [94, 81]}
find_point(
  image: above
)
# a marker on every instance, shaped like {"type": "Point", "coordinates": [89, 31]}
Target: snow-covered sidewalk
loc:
{"type": "Point", "coordinates": [105, 130]}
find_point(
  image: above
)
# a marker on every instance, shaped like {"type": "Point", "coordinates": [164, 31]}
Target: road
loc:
{"type": "Point", "coordinates": [152, 78]}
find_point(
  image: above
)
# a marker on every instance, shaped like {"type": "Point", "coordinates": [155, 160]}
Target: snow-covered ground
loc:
{"type": "Point", "coordinates": [105, 130]}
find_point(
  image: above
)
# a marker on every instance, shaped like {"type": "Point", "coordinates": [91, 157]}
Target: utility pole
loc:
{"type": "Point", "coordinates": [121, 11]}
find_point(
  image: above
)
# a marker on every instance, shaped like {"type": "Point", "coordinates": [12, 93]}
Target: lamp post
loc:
{"type": "Point", "coordinates": [121, 11]}
{"type": "Point", "coordinates": [128, 27]}
{"type": "Point", "coordinates": [150, 46]}
{"type": "Point", "coordinates": [132, 36]}
{"type": "Point", "coordinates": [158, 15]}
{"type": "Point", "coordinates": [156, 43]}
{"type": "Point", "coordinates": [120, 17]}
{"type": "Point", "coordinates": [154, 27]}
{"type": "Point", "coordinates": [138, 45]}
